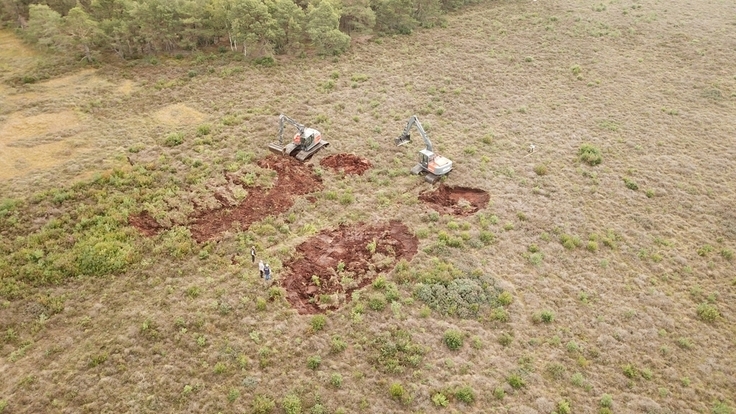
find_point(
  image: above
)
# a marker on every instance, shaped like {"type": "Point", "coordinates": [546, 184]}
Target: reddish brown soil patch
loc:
{"type": "Point", "coordinates": [145, 223]}
{"type": "Point", "coordinates": [321, 256]}
{"type": "Point", "coordinates": [294, 178]}
{"type": "Point", "coordinates": [348, 163]}
{"type": "Point", "coordinates": [460, 201]}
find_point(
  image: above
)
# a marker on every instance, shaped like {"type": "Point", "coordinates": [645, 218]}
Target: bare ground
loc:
{"type": "Point", "coordinates": [328, 267]}
{"type": "Point", "coordinates": [459, 201]}
{"type": "Point", "coordinates": [294, 179]}
{"type": "Point", "coordinates": [346, 163]}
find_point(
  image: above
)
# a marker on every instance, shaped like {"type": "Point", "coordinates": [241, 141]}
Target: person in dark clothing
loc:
{"type": "Point", "coordinates": [267, 272]}
{"type": "Point", "coordinates": [252, 254]}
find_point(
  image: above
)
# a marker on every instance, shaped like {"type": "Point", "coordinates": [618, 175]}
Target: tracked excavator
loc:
{"type": "Point", "coordinates": [431, 165]}
{"type": "Point", "coordinates": [306, 142]}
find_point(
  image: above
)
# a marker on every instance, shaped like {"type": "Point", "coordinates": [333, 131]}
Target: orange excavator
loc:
{"type": "Point", "coordinates": [431, 165]}
{"type": "Point", "coordinates": [306, 142]}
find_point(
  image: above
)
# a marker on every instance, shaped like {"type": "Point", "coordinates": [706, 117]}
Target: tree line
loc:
{"type": "Point", "coordinates": [135, 28]}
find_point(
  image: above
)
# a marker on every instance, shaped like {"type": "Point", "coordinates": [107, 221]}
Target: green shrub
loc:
{"type": "Point", "coordinates": [606, 401]}
{"type": "Point", "coordinates": [592, 246]}
{"type": "Point", "coordinates": [451, 293]}
{"type": "Point", "coordinates": [684, 343]}
{"type": "Point", "coordinates": [707, 312]}
{"type": "Point", "coordinates": [487, 237]}
{"type": "Point", "coordinates": [337, 345]}
{"type": "Point", "coordinates": [499, 393]}
{"type": "Point", "coordinates": [396, 390]}
{"type": "Point", "coordinates": [546, 316]}
{"type": "Point", "coordinates": [540, 169]}
{"type": "Point", "coordinates": [516, 381]}
{"type": "Point", "coordinates": [263, 405]}
{"type": "Point", "coordinates": [393, 351]}
{"type": "Point", "coordinates": [453, 339]}
{"type": "Point", "coordinates": [204, 129]}
{"type": "Point", "coordinates": [336, 380]}
{"type": "Point", "coordinates": [630, 371]}
{"type": "Point", "coordinates": [570, 242]}
{"type": "Point", "coordinates": [727, 254]}
{"type": "Point", "coordinates": [563, 407]}
{"type": "Point", "coordinates": [590, 154]}
{"type": "Point", "coordinates": [174, 139]}
{"type": "Point", "coordinates": [465, 394]}
{"type": "Point", "coordinates": [377, 302]}
{"type": "Point", "coordinates": [313, 362]}
{"type": "Point", "coordinates": [505, 298]}
{"type": "Point", "coordinates": [292, 404]}
{"type": "Point", "coordinates": [630, 184]}
{"type": "Point", "coordinates": [721, 407]}
{"type": "Point", "coordinates": [505, 339]}
{"type": "Point", "coordinates": [555, 370]}
{"type": "Point", "coordinates": [266, 61]}
{"type": "Point", "coordinates": [440, 400]}
{"type": "Point", "coordinates": [500, 314]}
{"type": "Point", "coordinates": [318, 322]}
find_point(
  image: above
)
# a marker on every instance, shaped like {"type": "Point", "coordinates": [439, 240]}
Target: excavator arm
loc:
{"type": "Point", "coordinates": [282, 119]}
{"type": "Point", "coordinates": [405, 136]}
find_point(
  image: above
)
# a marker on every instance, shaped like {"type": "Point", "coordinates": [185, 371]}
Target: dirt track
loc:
{"type": "Point", "coordinates": [460, 201]}
{"type": "Point", "coordinates": [321, 256]}
{"type": "Point", "coordinates": [347, 163]}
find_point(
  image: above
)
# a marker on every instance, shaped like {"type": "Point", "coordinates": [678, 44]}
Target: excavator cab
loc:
{"type": "Point", "coordinates": [306, 142]}
{"type": "Point", "coordinates": [425, 157]}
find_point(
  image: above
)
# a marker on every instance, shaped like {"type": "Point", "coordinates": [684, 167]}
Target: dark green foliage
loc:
{"type": "Point", "coordinates": [453, 339]}
{"type": "Point", "coordinates": [590, 154]}
{"type": "Point", "coordinates": [462, 297]}
{"type": "Point", "coordinates": [393, 351]}
{"type": "Point", "coordinates": [465, 394]}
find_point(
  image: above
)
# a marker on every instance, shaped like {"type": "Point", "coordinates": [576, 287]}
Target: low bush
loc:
{"type": "Point", "coordinates": [590, 154]}
{"type": "Point", "coordinates": [453, 339]}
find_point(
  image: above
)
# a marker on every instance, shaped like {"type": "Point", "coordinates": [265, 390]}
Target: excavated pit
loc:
{"type": "Point", "coordinates": [293, 179]}
{"type": "Point", "coordinates": [347, 163]}
{"type": "Point", "coordinates": [331, 265]}
{"type": "Point", "coordinates": [145, 223]}
{"type": "Point", "coordinates": [459, 201]}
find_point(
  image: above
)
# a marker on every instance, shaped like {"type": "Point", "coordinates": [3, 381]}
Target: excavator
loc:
{"type": "Point", "coordinates": [306, 142]}
{"type": "Point", "coordinates": [431, 165]}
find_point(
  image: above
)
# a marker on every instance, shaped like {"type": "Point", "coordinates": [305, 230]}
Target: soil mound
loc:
{"type": "Point", "coordinates": [460, 201]}
{"type": "Point", "coordinates": [334, 263]}
{"type": "Point", "coordinates": [348, 163]}
{"type": "Point", "coordinates": [145, 223]}
{"type": "Point", "coordinates": [294, 179]}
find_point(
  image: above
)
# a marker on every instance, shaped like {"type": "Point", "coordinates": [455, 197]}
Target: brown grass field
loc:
{"type": "Point", "coordinates": [619, 278]}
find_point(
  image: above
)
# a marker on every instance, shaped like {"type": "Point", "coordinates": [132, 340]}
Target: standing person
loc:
{"type": "Point", "coordinates": [252, 254]}
{"type": "Point", "coordinates": [267, 272]}
{"type": "Point", "coordinates": [260, 267]}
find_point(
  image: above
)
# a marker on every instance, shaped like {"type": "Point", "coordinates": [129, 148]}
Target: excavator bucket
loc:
{"type": "Point", "coordinates": [277, 148]}
{"type": "Point", "coordinates": [404, 139]}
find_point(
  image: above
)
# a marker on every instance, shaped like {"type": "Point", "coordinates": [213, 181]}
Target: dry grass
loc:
{"type": "Point", "coordinates": [650, 84]}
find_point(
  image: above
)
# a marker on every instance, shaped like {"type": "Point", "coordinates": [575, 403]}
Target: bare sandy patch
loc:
{"type": "Point", "coordinates": [178, 114]}
{"type": "Point", "coordinates": [126, 87]}
{"type": "Point", "coordinates": [36, 142]}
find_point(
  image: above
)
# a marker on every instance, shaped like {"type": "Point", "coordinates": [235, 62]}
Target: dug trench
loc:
{"type": "Point", "coordinates": [459, 201]}
{"type": "Point", "coordinates": [292, 179]}
{"type": "Point", "coordinates": [346, 163]}
{"type": "Point", "coordinates": [330, 266]}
